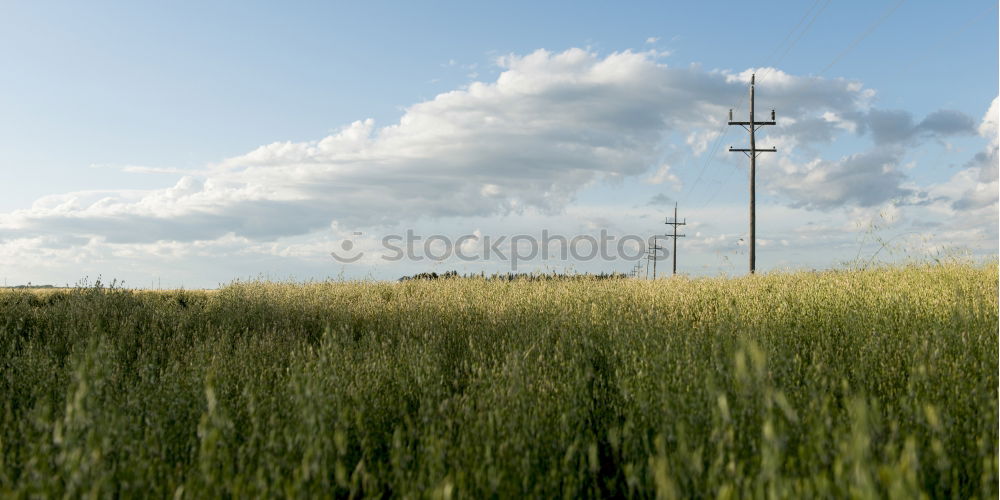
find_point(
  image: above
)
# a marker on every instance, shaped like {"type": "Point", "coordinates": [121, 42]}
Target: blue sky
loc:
{"type": "Point", "coordinates": [128, 127]}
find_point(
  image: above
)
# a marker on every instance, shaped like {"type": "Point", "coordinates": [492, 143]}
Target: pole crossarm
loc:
{"type": "Point", "coordinates": [754, 150]}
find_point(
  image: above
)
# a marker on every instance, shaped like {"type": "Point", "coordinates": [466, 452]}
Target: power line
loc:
{"type": "Point", "coordinates": [790, 32]}
{"type": "Point", "coordinates": [718, 188]}
{"type": "Point", "coordinates": [945, 38]}
{"type": "Point", "coordinates": [836, 59]}
{"type": "Point", "coordinates": [861, 37]}
{"type": "Point", "coordinates": [801, 34]}
{"type": "Point", "coordinates": [720, 134]}
{"type": "Point", "coordinates": [752, 125]}
{"type": "Point", "coordinates": [708, 159]}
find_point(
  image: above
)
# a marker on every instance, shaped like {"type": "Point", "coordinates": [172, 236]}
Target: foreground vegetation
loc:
{"type": "Point", "coordinates": [860, 383]}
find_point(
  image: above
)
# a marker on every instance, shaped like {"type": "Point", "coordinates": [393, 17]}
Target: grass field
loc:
{"type": "Point", "coordinates": [842, 383]}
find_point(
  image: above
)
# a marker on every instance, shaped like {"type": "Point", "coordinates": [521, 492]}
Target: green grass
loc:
{"type": "Point", "coordinates": [852, 383]}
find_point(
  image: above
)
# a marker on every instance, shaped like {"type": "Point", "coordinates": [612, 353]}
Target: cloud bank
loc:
{"type": "Point", "coordinates": [550, 125]}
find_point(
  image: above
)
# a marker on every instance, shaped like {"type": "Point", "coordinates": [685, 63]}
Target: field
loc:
{"type": "Point", "coordinates": [866, 383]}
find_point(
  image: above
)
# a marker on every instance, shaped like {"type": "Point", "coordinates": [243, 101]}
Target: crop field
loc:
{"type": "Point", "coordinates": [866, 383]}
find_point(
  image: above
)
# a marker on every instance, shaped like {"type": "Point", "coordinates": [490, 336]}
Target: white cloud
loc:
{"type": "Point", "coordinates": [143, 169]}
{"type": "Point", "coordinates": [988, 161]}
{"type": "Point", "coordinates": [975, 188]}
{"type": "Point", "coordinates": [663, 174]}
{"type": "Point", "coordinates": [660, 199]}
{"type": "Point", "coordinates": [548, 126]}
{"type": "Point", "coordinates": [989, 128]}
{"type": "Point", "coordinates": [862, 179]}
{"type": "Point", "coordinates": [840, 122]}
{"type": "Point", "coordinates": [897, 126]}
{"type": "Point", "coordinates": [699, 140]}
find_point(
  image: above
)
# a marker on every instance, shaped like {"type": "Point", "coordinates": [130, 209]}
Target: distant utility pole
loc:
{"type": "Point", "coordinates": [654, 255]}
{"type": "Point", "coordinates": [635, 270]}
{"type": "Point", "coordinates": [651, 256]}
{"type": "Point", "coordinates": [674, 222]}
{"type": "Point", "coordinates": [752, 126]}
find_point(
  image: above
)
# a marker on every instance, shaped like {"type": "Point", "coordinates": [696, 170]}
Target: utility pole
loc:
{"type": "Point", "coordinates": [655, 249]}
{"type": "Point", "coordinates": [674, 222]}
{"type": "Point", "coordinates": [647, 264]}
{"type": "Point", "coordinates": [752, 126]}
{"type": "Point", "coordinates": [651, 256]}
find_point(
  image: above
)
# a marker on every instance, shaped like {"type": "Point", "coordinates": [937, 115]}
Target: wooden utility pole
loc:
{"type": "Point", "coordinates": [656, 247]}
{"type": "Point", "coordinates": [674, 222]}
{"type": "Point", "coordinates": [651, 256]}
{"type": "Point", "coordinates": [752, 126]}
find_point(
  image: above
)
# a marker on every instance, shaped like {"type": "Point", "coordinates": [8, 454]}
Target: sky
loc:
{"type": "Point", "coordinates": [190, 144]}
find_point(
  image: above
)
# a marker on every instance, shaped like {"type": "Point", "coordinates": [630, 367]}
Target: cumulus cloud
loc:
{"type": "Point", "coordinates": [798, 96]}
{"type": "Point", "coordinates": [660, 199]}
{"type": "Point", "coordinates": [976, 187]}
{"type": "Point", "coordinates": [969, 198]}
{"type": "Point", "coordinates": [549, 125]}
{"type": "Point", "coordinates": [662, 175]}
{"type": "Point", "coordinates": [898, 126]}
{"type": "Point", "coordinates": [988, 160]}
{"type": "Point", "coordinates": [863, 179]}
{"type": "Point", "coordinates": [887, 126]}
